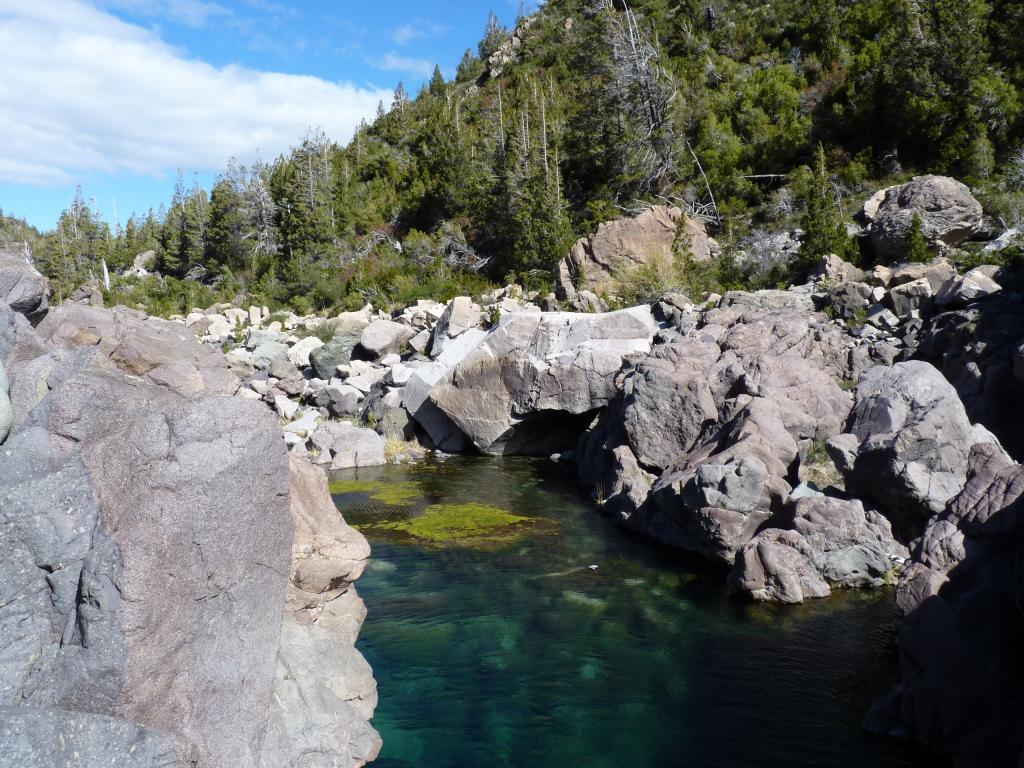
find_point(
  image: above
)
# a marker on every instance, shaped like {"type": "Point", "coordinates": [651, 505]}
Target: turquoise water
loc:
{"type": "Point", "coordinates": [508, 650]}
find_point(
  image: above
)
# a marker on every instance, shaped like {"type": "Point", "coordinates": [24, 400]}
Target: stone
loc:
{"type": "Point", "coordinates": [961, 290]}
{"type": "Point", "coordinates": [285, 408]}
{"type": "Point", "coordinates": [835, 269]}
{"type": "Point", "coordinates": [301, 350]}
{"type": "Point", "coordinates": [772, 568]}
{"type": "Point", "coordinates": [913, 299]}
{"type": "Point", "coordinates": [962, 630]}
{"type": "Point", "coordinates": [536, 379]}
{"type": "Point", "coordinates": [338, 351]}
{"type": "Point", "coordinates": [976, 350]}
{"type": "Point", "coordinates": [849, 301]}
{"type": "Point", "coordinates": [22, 287]}
{"type": "Point", "coordinates": [344, 446]}
{"type": "Point", "coordinates": [948, 213]}
{"type": "Point", "coordinates": [383, 337]}
{"type": "Point", "coordinates": [594, 263]}
{"type": "Point", "coordinates": [139, 345]}
{"type": "Point", "coordinates": [913, 439]}
{"type": "Point", "coordinates": [459, 316]}
{"type": "Point", "coordinates": [267, 354]}
{"type": "Point", "coordinates": [937, 272]}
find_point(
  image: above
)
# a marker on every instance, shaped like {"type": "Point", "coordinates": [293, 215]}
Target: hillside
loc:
{"type": "Point", "coordinates": [584, 112]}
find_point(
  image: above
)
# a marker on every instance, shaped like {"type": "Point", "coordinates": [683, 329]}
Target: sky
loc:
{"type": "Point", "coordinates": [118, 95]}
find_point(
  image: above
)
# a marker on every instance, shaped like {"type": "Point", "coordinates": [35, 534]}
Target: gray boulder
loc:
{"type": "Point", "coordinates": [459, 316]}
{"type": "Point", "coordinates": [338, 351]}
{"type": "Point", "coordinates": [966, 289]}
{"type": "Point", "coordinates": [959, 646]}
{"type": "Point", "coordinates": [697, 449]}
{"type": "Point", "coordinates": [948, 212]}
{"type": "Point", "coordinates": [161, 351]}
{"type": "Point", "coordinates": [826, 543]}
{"type": "Point", "coordinates": [383, 337]}
{"type": "Point", "coordinates": [976, 348]}
{"type": "Point", "coordinates": [535, 380]}
{"type": "Point", "coordinates": [142, 528]}
{"type": "Point", "coordinates": [907, 442]}
{"type": "Point", "coordinates": [21, 286]}
{"type": "Point", "coordinates": [343, 446]}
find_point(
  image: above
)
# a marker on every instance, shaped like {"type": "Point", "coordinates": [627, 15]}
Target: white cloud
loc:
{"type": "Point", "coordinates": [395, 62]}
{"type": "Point", "coordinates": [417, 29]}
{"type": "Point", "coordinates": [81, 91]}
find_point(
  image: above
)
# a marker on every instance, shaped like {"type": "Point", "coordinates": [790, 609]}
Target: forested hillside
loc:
{"type": "Point", "coordinates": [748, 114]}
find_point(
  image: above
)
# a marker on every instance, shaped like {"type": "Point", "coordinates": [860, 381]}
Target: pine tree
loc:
{"type": "Point", "coordinates": [917, 245]}
{"type": "Point", "coordinates": [824, 230]}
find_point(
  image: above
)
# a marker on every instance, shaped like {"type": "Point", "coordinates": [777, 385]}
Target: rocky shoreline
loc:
{"type": "Point", "coordinates": [845, 433]}
{"type": "Point", "coordinates": [177, 590]}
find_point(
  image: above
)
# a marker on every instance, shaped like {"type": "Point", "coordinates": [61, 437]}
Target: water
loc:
{"type": "Point", "coordinates": [511, 651]}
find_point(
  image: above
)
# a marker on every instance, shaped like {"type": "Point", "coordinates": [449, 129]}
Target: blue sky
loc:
{"type": "Point", "coordinates": [116, 95]}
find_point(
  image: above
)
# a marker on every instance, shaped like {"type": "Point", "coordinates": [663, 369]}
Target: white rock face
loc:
{"type": "Point", "coordinates": [533, 371]}
{"type": "Point", "coordinates": [299, 353]}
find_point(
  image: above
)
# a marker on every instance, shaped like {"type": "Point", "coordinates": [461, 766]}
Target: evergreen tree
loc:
{"type": "Point", "coordinates": [494, 35]}
{"type": "Point", "coordinates": [824, 230]}
{"type": "Point", "coordinates": [917, 245]}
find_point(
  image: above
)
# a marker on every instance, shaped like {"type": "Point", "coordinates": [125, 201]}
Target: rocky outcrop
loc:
{"type": "Point", "coordinates": [948, 212]}
{"type": "Point", "coordinates": [164, 353]}
{"type": "Point", "coordinates": [959, 646]}
{"type": "Point", "coordinates": [977, 348]}
{"type": "Point", "coordinates": [534, 382]}
{"type": "Point", "coordinates": [907, 442]}
{"type": "Point", "coordinates": [595, 262]}
{"type": "Point", "coordinates": [21, 286]}
{"type": "Point", "coordinates": [827, 542]}
{"type": "Point", "coordinates": [144, 526]}
{"type": "Point", "coordinates": [699, 447]}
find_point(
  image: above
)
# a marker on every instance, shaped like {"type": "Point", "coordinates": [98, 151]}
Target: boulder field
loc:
{"type": "Point", "coordinates": [176, 590]}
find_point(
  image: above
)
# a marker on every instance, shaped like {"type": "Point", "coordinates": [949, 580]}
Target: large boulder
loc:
{"type": "Point", "coordinates": [907, 442]}
{"type": "Point", "coordinates": [148, 537]}
{"type": "Point", "coordinates": [383, 337]}
{"type": "Point", "coordinates": [827, 543]}
{"type": "Point", "coordinates": [22, 288]}
{"type": "Point", "coordinates": [534, 382]}
{"type": "Point", "coordinates": [165, 353]}
{"type": "Point", "coordinates": [698, 448]}
{"type": "Point", "coordinates": [977, 350]}
{"type": "Point", "coordinates": [960, 691]}
{"type": "Point", "coordinates": [338, 351]}
{"type": "Point", "coordinates": [595, 262]}
{"type": "Point", "coordinates": [949, 215]}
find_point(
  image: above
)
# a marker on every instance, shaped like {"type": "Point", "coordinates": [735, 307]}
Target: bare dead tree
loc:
{"type": "Point", "coordinates": [644, 92]}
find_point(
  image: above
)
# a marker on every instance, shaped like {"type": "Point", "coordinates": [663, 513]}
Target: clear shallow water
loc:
{"type": "Point", "coordinates": [514, 653]}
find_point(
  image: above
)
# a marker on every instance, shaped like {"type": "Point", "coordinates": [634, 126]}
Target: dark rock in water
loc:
{"type": "Point", "coordinates": [964, 628]}
{"type": "Point", "coordinates": [827, 543]}
{"type": "Point", "coordinates": [22, 288]}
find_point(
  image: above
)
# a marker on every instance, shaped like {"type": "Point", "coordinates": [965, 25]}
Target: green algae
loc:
{"type": "Point", "coordinates": [469, 523]}
{"type": "Point", "coordinates": [395, 494]}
